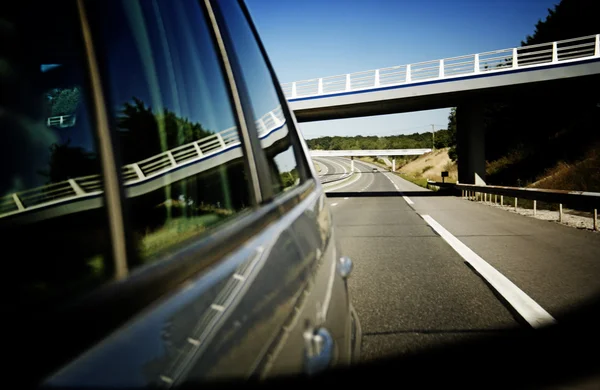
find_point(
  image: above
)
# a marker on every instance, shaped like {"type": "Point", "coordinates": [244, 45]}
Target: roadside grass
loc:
{"type": "Point", "coordinates": [418, 180]}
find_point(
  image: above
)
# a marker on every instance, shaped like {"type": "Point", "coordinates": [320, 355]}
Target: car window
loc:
{"type": "Point", "coordinates": [53, 225]}
{"type": "Point", "coordinates": [273, 129]}
{"type": "Point", "coordinates": [183, 166]}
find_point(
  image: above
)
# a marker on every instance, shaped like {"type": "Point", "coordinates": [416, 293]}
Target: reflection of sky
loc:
{"type": "Point", "coordinates": [166, 45]}
{"type": "Point", "coordinates": [286, 160]}
{"type": "Point", "coordinates": [254, 69]}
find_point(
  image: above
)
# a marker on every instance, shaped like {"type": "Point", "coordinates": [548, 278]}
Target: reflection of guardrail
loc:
{"type": "Point", "coordinates": [86, 186]}
{"type": "Point", "coordinates": [578, 199]}
{"type": "Point", "coordinates": [567, 50]}
{"type": "Point", "coordinates": [61, 121]}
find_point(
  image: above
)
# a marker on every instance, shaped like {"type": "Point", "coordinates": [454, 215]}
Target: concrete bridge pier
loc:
{"type": "Point", "coordinates": [471, 143]}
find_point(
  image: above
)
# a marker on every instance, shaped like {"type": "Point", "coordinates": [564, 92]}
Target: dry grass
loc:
{"type": "Point", "coordinates": [583, 175]}
{"type": "Point", "coordinates": [430, 166]}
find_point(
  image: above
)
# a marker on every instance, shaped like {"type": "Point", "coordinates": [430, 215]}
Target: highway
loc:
{"type": "Point", "coordinates": [432, 269]}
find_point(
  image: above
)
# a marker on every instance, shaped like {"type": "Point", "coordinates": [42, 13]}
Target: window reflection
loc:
{"type": "Point", "coordinates": [52, 221]}
{"type": "Point", "coordinates": [184, 171]}
{"type": "Point", "coordinates": [272, 128]}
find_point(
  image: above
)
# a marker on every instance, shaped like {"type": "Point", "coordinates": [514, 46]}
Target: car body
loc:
{"type": "Point", "coordinates": [168, 224]}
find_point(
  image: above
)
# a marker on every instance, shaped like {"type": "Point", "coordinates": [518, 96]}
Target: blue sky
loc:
{"type": "Point", "coordinates": [317, 38]}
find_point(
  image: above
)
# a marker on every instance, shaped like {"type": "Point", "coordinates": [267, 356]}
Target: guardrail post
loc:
{"type": "Point", "coordinates": [515, 61]}
{"type": "Point", "coordinates": [597, 45]}
{"type": "Point", "coordinates": [198, 150]}
{"type": "Point", "coordinates": [320, 87]}
{"type": "Point", "coordinates": [294, 90]}
{"type": "Point", "coordinates": [516, 201]}
{"type": "Point", "coordinates": [276, 120]}
{"type": "Point", "coordinates": [138, 171]}
{"type": "Point", "coordinates": [485, 197]}
{"type": "Point", "coordinates": [476, 64]}
{"type": "Point", "coordinates": [377, 78]}
{"type": "Point", "coordinates": [596, 210]}
{"type": "Point", "coordinates": [534, 207]}
{"type": "Point", "coordinates": [554, 52]}
{"type": "Point", "coordinates": [501, 200]}
{"type": "Point", "coordinates": [78, 190]}
{"type": "Point", "coordinates": [348, 84]}
{"type": "Point", "coordinates": [18, 202]}
{"type": "Point", "coordinates": [222, 142]}
{"type": "Point", "coordinates": [172, 159]}
{"type": "Point", "coordinates": [407, 79]}
{"type": "Point", "coordinates": [560, 212]}
{"type": "Point", "coordinates": [441, 68]}
{"type": "Point", "coordinates": [496, 199]}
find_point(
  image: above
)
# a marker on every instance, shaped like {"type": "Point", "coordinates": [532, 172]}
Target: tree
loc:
{"type": "Point", "coordinates": [68, 162]}
{"type": "Point", "coordinates": [63, 101]}
{"type": "Point", "coordinates": [452, 141]}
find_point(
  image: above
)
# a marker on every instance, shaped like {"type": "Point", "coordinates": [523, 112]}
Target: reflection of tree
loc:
{"type": "Point", "coordinates": [68, 162]}
{"type": "Point", "coordinates": [140, 128]}
{"type": "Point", "coordinates": [63, 101]}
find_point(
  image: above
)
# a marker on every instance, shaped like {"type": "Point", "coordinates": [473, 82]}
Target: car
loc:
{"type": "Point", "coordinates": [375, 169]}
{"type": "Point", "coordinates": [164, 222]}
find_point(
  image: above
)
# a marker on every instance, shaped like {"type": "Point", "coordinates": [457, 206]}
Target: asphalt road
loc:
{"type": "Point", "coordinates": [412, 290]}
{"type": "Point", "coordinates": [333, 169]}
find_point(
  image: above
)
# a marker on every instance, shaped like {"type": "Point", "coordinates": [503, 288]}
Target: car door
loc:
{"type": "Point", "coordinates": [178, 237]}
{"type": "Point", "coordinates": [317, 333]}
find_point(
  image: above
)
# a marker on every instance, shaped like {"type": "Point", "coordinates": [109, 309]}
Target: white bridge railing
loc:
{"type": "Point", "coordinates": [146, 169]}
{"type": "Point", "coordinates": [568, 50]}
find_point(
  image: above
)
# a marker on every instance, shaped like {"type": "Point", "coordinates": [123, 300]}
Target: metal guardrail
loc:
{"type": "Point", "coordinates": [579, 199]}
{"type": "Point", "coordinates": [132, 173]}
{"type": "Point", "coordinates": [567, 50]}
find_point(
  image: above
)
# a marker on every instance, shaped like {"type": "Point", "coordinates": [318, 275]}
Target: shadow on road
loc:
{"type": "Point", "coordinates": [412, 194]}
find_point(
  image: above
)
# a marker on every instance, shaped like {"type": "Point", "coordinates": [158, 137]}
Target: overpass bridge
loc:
{"type": "Point", "coordinates": [462, 82]}
{"type": "Point", "coordinates": [369, 153]}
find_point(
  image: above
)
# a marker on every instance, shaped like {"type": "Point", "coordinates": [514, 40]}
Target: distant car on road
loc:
{"type": "Point", "coordinates": [166, 222]}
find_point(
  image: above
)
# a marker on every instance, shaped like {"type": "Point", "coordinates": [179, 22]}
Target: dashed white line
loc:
{"type": "Point", "coordinates": [530, 310]}
{"type": "Point", "coordinates": [345, 198]}
{"type": "Point", "coordinates": [407, 199]}
{"type": "Point", "coordinates": [216, 307]}
{"type": "Point", "coordinates": [334, 204]}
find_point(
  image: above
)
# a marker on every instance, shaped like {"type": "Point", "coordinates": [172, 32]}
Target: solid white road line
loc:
{"type": "Point", "coordinates": [334, 204]}
{"type": "Point", "coordinates": [406, 198]}
{"type": "Point", "coordinates": [530, 310]}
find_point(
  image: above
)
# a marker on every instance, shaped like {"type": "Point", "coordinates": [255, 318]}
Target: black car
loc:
{"type": "Point", "coordinates": [163, 222]}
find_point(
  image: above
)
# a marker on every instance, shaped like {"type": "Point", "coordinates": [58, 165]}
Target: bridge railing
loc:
{"type": "Point", "coordinates": [567, 50]}
{"type": "Point", "coordinates": [141, 170]}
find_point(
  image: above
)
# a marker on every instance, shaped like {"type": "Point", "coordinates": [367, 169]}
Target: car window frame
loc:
{"type": "Point", "coordinates": [302, 165]}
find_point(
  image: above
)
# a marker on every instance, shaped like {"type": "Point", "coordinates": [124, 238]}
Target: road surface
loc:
{"type": "Point", "coordinates": [412, 289]}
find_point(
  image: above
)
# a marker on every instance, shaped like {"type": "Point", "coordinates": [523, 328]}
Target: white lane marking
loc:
{"type": "Point", "coordinates": [334, 204]}
{"type": "Point", "coordinates": [216, 307]}
{"type": "Point", "coordinates": [530, 310]}
{"type": "Point", "coordinates": [239, 277]}
{"type": "Point", "coordinates": [406, 198]}
{"type": "Point", "coordinates": [335, 186]}
{"type": "Point", "coordinates": [346, 198]}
